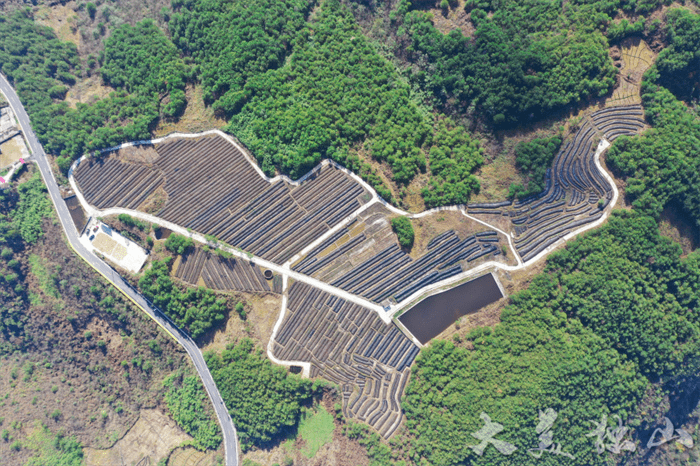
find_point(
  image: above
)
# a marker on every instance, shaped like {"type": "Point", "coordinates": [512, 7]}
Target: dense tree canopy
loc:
{"type": "Point", "coordinates": [662, 166]}
{"type": "Point", "coordinates": [404, 231]}
{"type": "Point", "coordinates": [186, 400]}
{"type": "Point", "coordinates": [142, 60]}
{"type": "Point", "coordinates": [335, 92]}
{"type": "Point", "coordinates": [34, 205]}
{"type": "Point", "coordinates": [612, 312]}
{"type": "Point", "coordinates": [678, 63]}
{"type": "Point", "coordinates": [453, 158]}
{"type": "Point", "coordinates": [525, 57]}
{"type": "Point", "coordinates": [262, 399]}
{"type": "Point", "coordinates": [533, 159]}
{"type": "Point", "coordinates": [233, 41]}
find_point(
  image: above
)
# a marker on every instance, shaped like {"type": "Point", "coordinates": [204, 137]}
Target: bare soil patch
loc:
{"type": "Point", "coordinates": [188, 456]}
{"type": "Point", "coordinates": [12, 150]}
{"type": "Point", "coordinates": [76, 212]}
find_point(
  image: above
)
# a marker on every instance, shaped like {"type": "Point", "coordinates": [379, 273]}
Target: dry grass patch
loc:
{"type": "Point", "coordinates": [428, 227]}
{"type": "Point", "coordinates": [62, 19]}
{"type": "Point", "coordinates": [634, 57]}
{"type": "Point", "coordinates": [154, 202]}
{"type": "Point", "coordinates": [453, 18]}
{"type": "Point", "coordinates": [496, 175]}
{"type": "Point", "coordinates": [143, 155]}
{"type": "Point", "coordinates": [381, 169]}
{"type": "Point", "coordinates": [262, 311]}
{"type": "Point", "coordinates": [413, 199]}
{"type": "Point", "coordinates": [87, 91]}
{"type": "Point", "coordinates": [197, 116]}
{"type": "Point", "coordinates": [153, 436]}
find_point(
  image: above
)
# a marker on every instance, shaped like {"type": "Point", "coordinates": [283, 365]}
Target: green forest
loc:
{"type": "Point", "coordinates": [533, 158]}
{"type": "Point", "coordinates": [263, 400]}
{"type": "Point", "coordinates": [299, 81]}
{"type": "Point", "coordinates": [662, 167]}
{"type": "Point", "coordinates": [525, 58]}
{"type": "Point", "coordinates": [565, 343]}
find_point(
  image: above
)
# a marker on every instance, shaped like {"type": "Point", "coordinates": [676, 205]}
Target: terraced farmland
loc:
{"type": "Point", "coordinates": [233, 201]}
{"type": "Point", "coordinates": [364, 258]}
{"type": "Point", "coordinates": [219, 273]}
{"type": "Point", "coordinates": [351, 346]}
{"type": "Point", "coordinates": [206, 184]}
{"type": "Point", "coordinates": [576, 192]}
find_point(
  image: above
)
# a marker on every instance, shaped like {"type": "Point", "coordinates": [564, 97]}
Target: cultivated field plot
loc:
{"type": "Point", "coordinates": [351, 346]}
{"type": "Point", "coordinates": [636, 57]}
{"type": "Point", "coordinates": [220, 273]}
{"type": "Point", "coordinates": [576, 192]}
{"type": "Point", "coordinates": [210, 187]}
{"type": "Point", "coordinates": [364, 258]}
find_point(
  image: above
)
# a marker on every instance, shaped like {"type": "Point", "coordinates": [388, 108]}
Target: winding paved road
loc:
{"type": "Point", "coordinates": [39, 156]}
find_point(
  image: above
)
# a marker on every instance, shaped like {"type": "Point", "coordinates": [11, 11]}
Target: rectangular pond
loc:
{"type": "Point", "coordinates": [434, 314]}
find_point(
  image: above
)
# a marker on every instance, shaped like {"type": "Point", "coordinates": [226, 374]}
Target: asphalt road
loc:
{"type": "Point", "coordinates": [39, 156]}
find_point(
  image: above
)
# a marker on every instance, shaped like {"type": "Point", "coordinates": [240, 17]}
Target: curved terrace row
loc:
{"type": "Point", "coordinates": [576, 192]}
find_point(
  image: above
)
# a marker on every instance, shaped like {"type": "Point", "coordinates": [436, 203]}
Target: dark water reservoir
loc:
{"type": "Point", "coordinates": [434, 314]}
